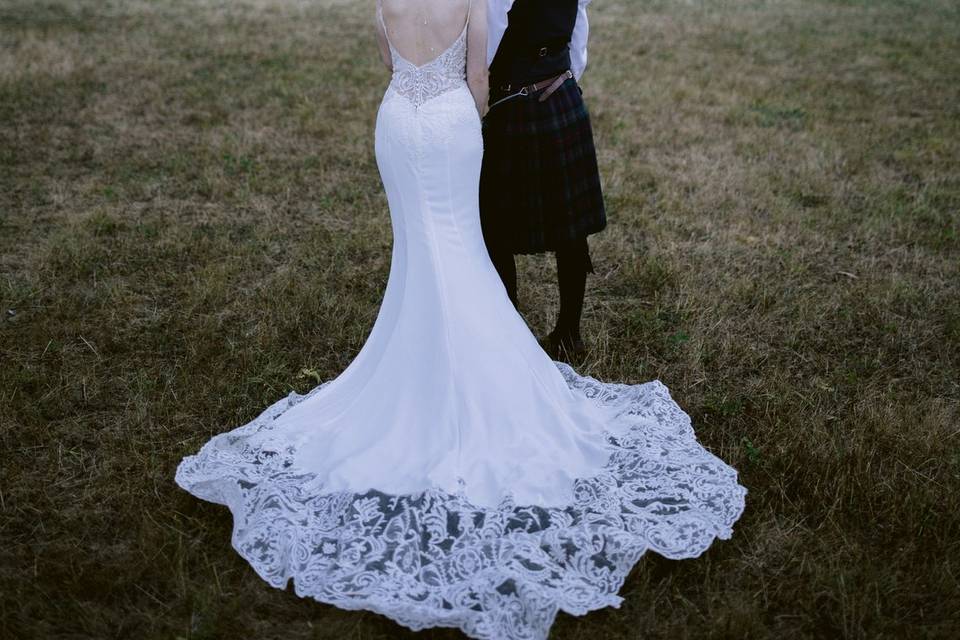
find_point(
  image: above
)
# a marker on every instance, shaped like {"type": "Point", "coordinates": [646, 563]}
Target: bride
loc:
{"type": "Point", "coordinates": [453, 474]}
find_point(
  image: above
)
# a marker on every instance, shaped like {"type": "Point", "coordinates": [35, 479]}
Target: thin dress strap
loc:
{"type": "Point", "coordinates": [383, 24]}
{"type": "Point", "coordinates": [466, 23]}
{"type": "Point", "coordinates": [380, 16]}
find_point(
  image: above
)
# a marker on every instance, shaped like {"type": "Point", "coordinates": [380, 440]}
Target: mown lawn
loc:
{"type": "Point", "coordinates": [192, 225]}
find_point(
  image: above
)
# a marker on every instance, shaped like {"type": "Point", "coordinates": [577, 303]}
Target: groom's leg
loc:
{"type": "Point", "coordinates": [492, 213]}
{"type": "Point", "coordinates": [500, 254]}
{"type": "Point", "coordinates": [573, 264]}
{"type": "Point", "coordinates": [506, 266]}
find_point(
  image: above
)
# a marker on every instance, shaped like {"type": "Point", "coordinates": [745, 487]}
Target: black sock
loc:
{"type": "Point", "coordinates": [573, 264]}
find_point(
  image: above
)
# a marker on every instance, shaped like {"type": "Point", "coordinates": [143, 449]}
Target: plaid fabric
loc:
{"type": "Point", "coordinates": [539, 186]}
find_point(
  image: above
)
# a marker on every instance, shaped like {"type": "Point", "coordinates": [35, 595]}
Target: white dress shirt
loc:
{"type": "Point", "coordinates": [497, 23]}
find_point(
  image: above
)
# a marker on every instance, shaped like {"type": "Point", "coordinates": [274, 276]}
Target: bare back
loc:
{"type": "Point", "coordinates": [419, 31]}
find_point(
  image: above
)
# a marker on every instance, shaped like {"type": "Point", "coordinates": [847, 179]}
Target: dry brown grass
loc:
{"type": "Point", "coordinates": [190, 216]}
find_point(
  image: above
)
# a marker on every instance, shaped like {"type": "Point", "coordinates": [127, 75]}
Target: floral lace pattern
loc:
{"type": "Point", "coordinates": [420, 83]}
{"type": "Point", "coordinates": [433, 559]}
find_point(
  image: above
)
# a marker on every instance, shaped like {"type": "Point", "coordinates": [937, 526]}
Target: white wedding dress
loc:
{"type": "Point", "coordinates": [453, 474]}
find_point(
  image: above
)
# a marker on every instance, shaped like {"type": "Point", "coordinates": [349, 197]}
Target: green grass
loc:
{"type": "Point", "coordinates": [192, 225]}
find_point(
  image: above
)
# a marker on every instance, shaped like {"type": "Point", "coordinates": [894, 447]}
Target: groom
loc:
{"type": "Point", "coordinates": [539, 185]}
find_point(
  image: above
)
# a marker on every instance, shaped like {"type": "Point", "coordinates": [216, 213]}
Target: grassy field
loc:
{"type": "Point", "coordinates": [192, 225]}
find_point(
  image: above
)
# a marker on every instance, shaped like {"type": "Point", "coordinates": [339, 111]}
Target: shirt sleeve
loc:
{"type": "Point", "coordinates": [497, 11]}
{"type": "Point", "coordinates": [578, 41]}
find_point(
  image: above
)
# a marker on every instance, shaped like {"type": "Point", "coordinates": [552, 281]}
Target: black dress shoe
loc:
{"type": "Point", "coordinates": [571, 350]}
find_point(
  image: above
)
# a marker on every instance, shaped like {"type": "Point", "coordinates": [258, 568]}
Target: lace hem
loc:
{"type": "Point", "coordinates": [432, 559]}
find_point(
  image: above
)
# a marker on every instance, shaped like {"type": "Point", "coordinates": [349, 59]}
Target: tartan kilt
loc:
{"type": "Point", "coordinates": [539, 183]}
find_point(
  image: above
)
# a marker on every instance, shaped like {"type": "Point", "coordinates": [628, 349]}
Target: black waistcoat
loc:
{"type": "Point", "coordinates": [533, 25]}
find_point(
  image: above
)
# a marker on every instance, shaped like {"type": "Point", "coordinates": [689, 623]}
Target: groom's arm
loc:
{"type": "Point", "coordinates": [578, 42]}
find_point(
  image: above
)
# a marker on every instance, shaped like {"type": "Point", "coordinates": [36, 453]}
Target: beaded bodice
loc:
{"type": "Point", "coordinates": [420, 83]}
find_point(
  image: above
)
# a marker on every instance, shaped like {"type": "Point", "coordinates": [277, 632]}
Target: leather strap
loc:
{"type": "Point", "coordinates": [551, 85]}
{"type": "Point", "coordinates": [559, 80]}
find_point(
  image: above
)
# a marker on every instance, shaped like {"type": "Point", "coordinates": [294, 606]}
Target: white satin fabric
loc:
{"type": "Point", "coordinates": [451, 389]}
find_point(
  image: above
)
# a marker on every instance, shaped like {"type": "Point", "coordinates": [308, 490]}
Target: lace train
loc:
{"type": "Point", "coordinates": [434, 559]}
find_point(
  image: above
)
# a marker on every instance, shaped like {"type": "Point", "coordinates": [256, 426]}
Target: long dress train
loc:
{"type": "Point", "coordinates": [452, 474]}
